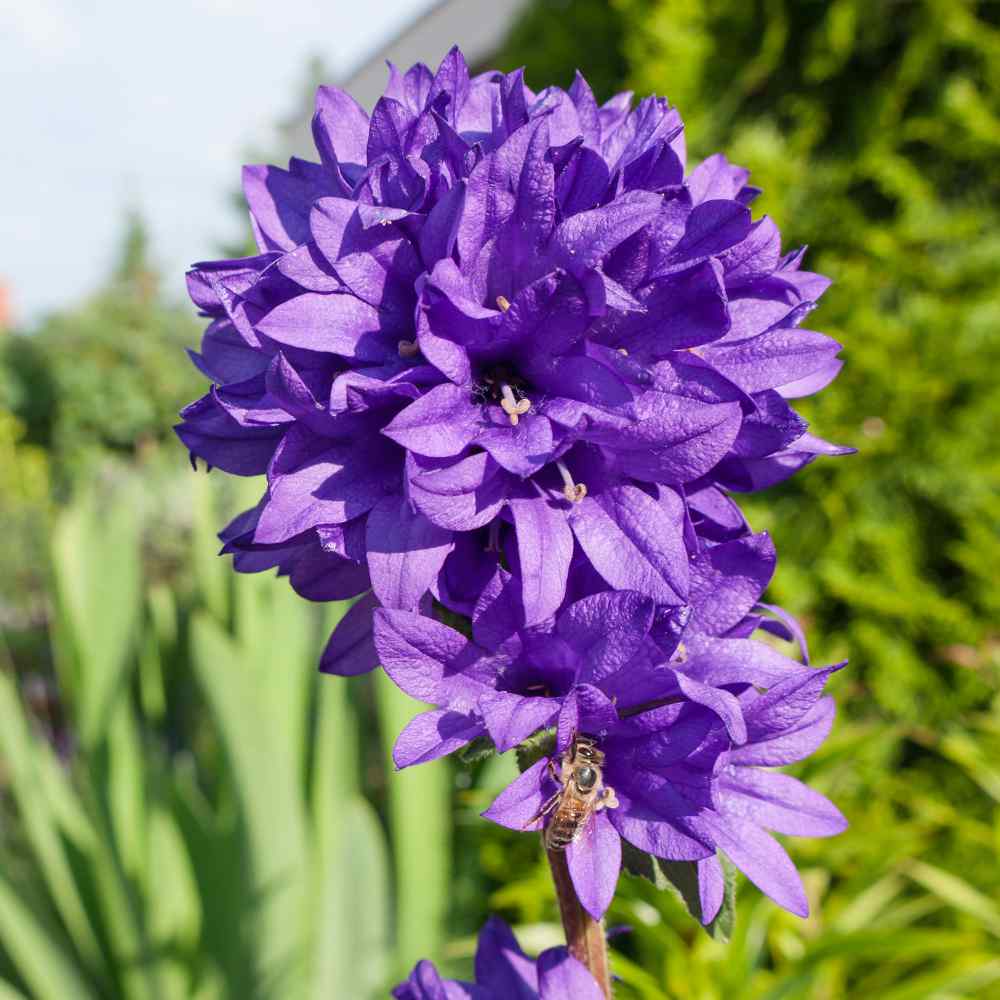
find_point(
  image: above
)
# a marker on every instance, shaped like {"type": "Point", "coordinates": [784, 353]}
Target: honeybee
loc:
{"type": "Point", "coordinates": [582, 792]}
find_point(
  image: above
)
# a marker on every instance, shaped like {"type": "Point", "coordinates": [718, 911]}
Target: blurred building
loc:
{"type": "Point", "coordinates": [478, 27]}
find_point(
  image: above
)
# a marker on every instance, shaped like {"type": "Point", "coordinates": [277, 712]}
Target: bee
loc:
{"type": "Point", "coordinates": [581, 793]}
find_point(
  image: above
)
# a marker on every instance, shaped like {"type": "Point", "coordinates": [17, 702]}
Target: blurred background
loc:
{"type": "Point", "coordinates": [187, 810]}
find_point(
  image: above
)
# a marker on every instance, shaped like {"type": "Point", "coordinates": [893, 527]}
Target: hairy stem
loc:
{"type": "Point", "coordinates": [584, 934]}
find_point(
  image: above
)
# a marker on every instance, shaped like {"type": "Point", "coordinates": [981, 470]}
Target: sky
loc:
{"type": "Point", "coordinates": [112, 104]}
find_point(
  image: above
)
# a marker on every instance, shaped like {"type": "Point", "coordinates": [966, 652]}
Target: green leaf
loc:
{"type": "Point", "coordinates": [956, 892]}
{"type": "Point", "coordinates": [42, 964]}
{"type": "Point", "coordinates": [21, 753]}
{"type": "Point", "coordinates": [480, 749]}
{"type": "Point", "coordinates": [99, 593]}
{"type": "Point", "coordinates": [681, 878]}
{"type": "Point", "coordinates": [420, 810]}
{"type": "Point", "coordinates": [533, 749]}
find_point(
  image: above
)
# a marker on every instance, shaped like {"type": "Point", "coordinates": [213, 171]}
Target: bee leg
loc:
{"type": "Point", "coordinates": [554, 772]}
{"type": "Point", "coordinates": [544, 811]}
{"type": "Point", "coordinates": [608, 799]}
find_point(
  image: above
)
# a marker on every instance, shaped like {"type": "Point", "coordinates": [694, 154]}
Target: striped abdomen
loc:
{"type": "Point", "coordinates": [568, 820]}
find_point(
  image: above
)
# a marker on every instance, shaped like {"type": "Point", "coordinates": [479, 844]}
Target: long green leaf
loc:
{"type": "Point", "coordinates": [420, 820]}
{"type": "Point", "coordinates": [269, 789]}
{"type": "Point", "coordinates": [99, 590]}
{"type": "Point", "coordinates": [21, 752]}
{"type": "Point", "coordinates": [49, 972]}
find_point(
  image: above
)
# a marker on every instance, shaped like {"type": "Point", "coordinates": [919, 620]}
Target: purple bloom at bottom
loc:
{"type": "Point", "coordinates": [684, 707]}
{"type": "Point", "coordinates": [504, 972]}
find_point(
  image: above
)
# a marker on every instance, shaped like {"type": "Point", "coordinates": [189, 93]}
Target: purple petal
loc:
{"type": "Point", "coordinates": [725, 705]}
{"type": "Point", "coordinates": [318, 575]}
{"type": "Point", "coordinates": [523, 449]}
{"type": "Point", "coordinates": [594, 861]}
{"type": "Point", "coordinates": [790, 630]}
{"type": "Point", "coordinates": [676, 439]}
{"type": "Point", "coordinates": [775, 358]}
{"type": "Point", "coordinates": [417, 653]}
{"type": "Point", "coordinates": [819, 379]}
{"type": "Point", "coordinates": [424, 983]}
{"type": "Point", "coordinates": [511, 718]}
{"type": "Point", "coordinates": [212, 434]}
{"type": "Point", "coordinates": [545, 549]}
{"type": "Point", "coordinates": [755, 257]}
{"type": "Point", "coordinates": [762, 859]}
{"type": "Point", "coordinates": [405, 552]}
{"type": "Point", "coordinates": [521, 800]}
{"type": "Point", "coordinates": [711, 887]}
{"type": "Point", "coordinates": [563, 977]}
{"type": "Point", "coordinates": [634, 542]}
{"type": "Point", "coordinates": [340, 127]}
{"type": "Point", "coordinates": [280, 200]}
{"type": "Point", "coordinates": [439, 424]}
{"type": "Point", "coordinates": [682, 310]}
{"type": "Point", "coordinates": [316, 481]}
{"type": "Point", "coordinates": [779, 802]}
{"type": "Point", "coordinates": [434, 734]}
{"type": "Point", "coordinates": [793, 744]}
{"type": "Point", "coordinates": [718, 662]}
{"type": "Point", "coordinates": [607, 630]}
{"type": "Point", "coordinates": [499, 612]}
{"type": "Point", "coordinates": [463, 496]}
{"type": "Point", "coordinates": [501, 966]}
{"type": "Point", "coordinates": [716, 177]}
{"type": "Point", "coordinates": [584, 239]}
{"type": "Point", "coordinates": [784, 705]}
{"type": "Point", "coordinates": [727, 580]}
{"type": "Point", "coordinates": [654, 817]}
{"type": "Point", "coordinates": [712, 227]}
{"type": "Point", "coordinates": [337, 323]}
{"type": "Point", "coordinates": [585, 710]}
{"type": "Point", "coordinates": [350, 650]}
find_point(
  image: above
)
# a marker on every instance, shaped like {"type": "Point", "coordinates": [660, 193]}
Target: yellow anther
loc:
{"type": "Point", "coordinates": [514, 408]}
{"type": "Point", "coordinates": [573, 492]}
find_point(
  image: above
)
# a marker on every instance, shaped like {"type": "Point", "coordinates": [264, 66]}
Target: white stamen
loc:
{"type": "Point", "coordinates": [573, 492]}
{"type": "Point", "coordinates": [514, 408]}
{"type": "Point", "coordinates": [503, 303]}
{"type": "Point", "coordinates": [623, 352]}
{"type": "Point", "coordinates": [408, 348]}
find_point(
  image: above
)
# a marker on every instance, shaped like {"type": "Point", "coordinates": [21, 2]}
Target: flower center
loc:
{"type": "Point", "coordinates": [500, 384]}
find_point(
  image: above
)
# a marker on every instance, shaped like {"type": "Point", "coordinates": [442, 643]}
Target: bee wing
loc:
{"type": "Point", "coordinates": [547, 807]}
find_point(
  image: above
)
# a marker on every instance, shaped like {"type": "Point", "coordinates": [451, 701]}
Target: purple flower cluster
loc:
{"type": "Point", "coordinates": [689, 716]}
{"type": "Point", "coordinates": [504, 972]}
{"type": "Point", "coordinates": [501, 351]}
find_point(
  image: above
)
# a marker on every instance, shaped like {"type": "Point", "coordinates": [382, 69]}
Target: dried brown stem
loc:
{"type": "Point", "coordinates": [584, 934]}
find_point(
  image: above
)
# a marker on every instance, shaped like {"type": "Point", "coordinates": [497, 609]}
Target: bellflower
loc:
{"type": "Point", "coordinates": [498, 327]}
{"type": "Point", "coordinates": [504, 972]}
{"type": "Point", "coordinates": [674, 702]}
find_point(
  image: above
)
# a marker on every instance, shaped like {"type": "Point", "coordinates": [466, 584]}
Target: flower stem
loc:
{"type": "Point", "coordinates": [584, 934]}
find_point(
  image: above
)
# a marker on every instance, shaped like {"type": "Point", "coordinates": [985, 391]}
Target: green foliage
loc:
{"type": "Point", "coordinates": [873, 130]}
{"type": "Point", "coordinates": [254, 867]}
{"type": "Point", "coordinates": [108, 375]}
{"type": "Point", "coordinates": [189, 812]}
{"type": "Point", "coordinates": [554, 38]}
{"type": "Point", "coordinates": [681, 878]}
